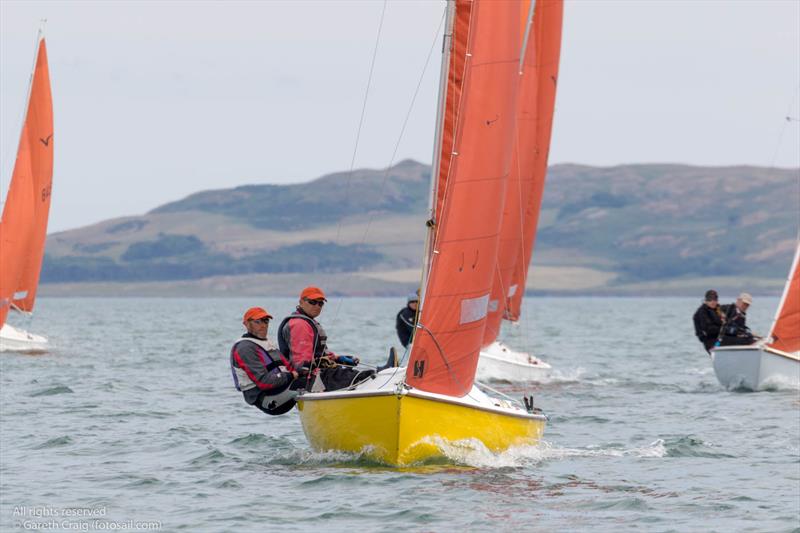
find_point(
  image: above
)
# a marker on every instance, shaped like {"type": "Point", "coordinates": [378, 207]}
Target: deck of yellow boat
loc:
{"type": "Point", "coordinates": [401, 429]}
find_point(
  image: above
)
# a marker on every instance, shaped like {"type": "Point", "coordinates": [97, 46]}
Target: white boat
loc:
{"type": "Point", "coordinates": [756, 367]}
{"type": "Point", "coordinates": [498, 362]}
{"type": "Point", "coordinates": [23, 227]}
{"type": "Point", "coordinates": [18, 340]}
{"type": "Point", "coordinates": [773, 362]}
{"type": "Point", "coordinates": [520, 216]}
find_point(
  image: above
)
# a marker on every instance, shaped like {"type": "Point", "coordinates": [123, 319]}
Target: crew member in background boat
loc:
{"type": "Point", "coordinates": [305, 342]}
{"type": "Point", "coordinates": [734, 328]}
{"type": "Point", "coordinates": [708, 320]}
{"type": "Point", "coordinates": [263, 375]}
{"type": "Point", "coordinates": [407, 320]}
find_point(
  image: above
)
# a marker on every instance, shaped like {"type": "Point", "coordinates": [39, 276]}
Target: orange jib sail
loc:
{"type": "Point", "coordinates": [535, 106]}
{"type": "Point", "coordinates": [24, 222]}
{"type": "Point", "coordinates": [535, 126]}
{"type": "Point", "coordinates": [471, 193]}
{"type": "Point", "coordinates": [786, 329]}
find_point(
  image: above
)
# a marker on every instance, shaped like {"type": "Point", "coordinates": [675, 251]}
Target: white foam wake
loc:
{"type": "Point", "coordinates": [472, 452]}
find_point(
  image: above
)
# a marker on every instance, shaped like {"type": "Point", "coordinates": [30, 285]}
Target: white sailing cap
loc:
{"type": "Point", "coordinates": [746, 298]}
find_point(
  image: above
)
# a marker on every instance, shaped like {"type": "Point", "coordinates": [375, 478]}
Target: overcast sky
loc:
{"type": "Point", "coordinates": [157, 100]}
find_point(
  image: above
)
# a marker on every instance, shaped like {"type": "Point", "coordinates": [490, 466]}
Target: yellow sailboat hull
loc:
{"type": "Point", "coordinates": [406, 428]}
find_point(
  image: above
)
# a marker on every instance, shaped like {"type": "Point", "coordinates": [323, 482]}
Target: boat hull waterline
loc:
{"type": "Point", "coordinates": [398, 426]}
{"type": "Point", "coordinates": [755, 367]}
{"type": "Point", "coordinates": [18, 340]}
{"type": "Point", "coordinates": [500, 363]}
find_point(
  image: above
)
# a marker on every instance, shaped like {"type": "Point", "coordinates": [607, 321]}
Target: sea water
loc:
{"type": "Point", "coordinates": [132, 422]}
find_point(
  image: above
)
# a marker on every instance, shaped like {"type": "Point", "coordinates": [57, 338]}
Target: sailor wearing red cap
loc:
{"type": "Point", "coordinates": [260, 371]}
{"type": "Point", "coordinates": [304, 340]}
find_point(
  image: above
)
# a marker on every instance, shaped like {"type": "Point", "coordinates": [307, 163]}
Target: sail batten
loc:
{"type": "Point", "coordinates": [23, 228]}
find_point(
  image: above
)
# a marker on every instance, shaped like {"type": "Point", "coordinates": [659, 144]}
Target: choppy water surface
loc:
{"type": "Point", "coordinates": [133, 415]}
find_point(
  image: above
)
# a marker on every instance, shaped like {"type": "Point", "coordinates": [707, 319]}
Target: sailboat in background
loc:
{"type": "Point", "coordinates": [773, 361]}
{"type": "Point", "coordinates": [23, 227]}
{"type": "Point", "coordinates": [538, 75]}
{"type": "Point", "coordinates": [408, 414]}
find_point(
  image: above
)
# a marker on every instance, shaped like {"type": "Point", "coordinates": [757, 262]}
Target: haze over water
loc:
{"type": "Point", "coordinates": [134, 413]}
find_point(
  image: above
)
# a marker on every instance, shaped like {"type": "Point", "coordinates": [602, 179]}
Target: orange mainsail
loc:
{"type": "Point", "coordinates": [23, 227]}
{"type": "Point", "coordinates": [477, 140]}
{"type": "Point", "coordinates": [786, 328]}
{"type": "Point", "coordinates": [535, 107]}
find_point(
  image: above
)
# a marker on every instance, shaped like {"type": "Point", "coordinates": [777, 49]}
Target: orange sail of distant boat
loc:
{"type": "Point", "coordinates": [479, 122]}
{"type": "Point", "coordinates": [536, 126]}
{"type": "Point", "coordinates": [786, 329]}
{"type": "Point", "coordinates": [535, 105]}
{"type": "Point", "coordinates": [23, 227]}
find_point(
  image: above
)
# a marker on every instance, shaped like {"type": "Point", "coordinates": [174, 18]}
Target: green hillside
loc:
{"type": "Point", "coordinates": [606, 230]}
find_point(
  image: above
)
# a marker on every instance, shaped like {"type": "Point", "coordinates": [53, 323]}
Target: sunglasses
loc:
{"type": "Point", "coordinates": [319, 303]}
{"type": "Point", "coordinates": [262, 320]}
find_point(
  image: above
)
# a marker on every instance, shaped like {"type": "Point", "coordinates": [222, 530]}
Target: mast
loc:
{"type": "Point", "coordinates": [437, 145]}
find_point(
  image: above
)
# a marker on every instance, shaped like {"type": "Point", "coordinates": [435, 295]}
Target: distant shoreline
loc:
{"type": "Point", "coordinates": [368, 284]}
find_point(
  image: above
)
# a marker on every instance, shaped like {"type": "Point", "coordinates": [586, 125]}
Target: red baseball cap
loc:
{"type": "Point", "coordinates": [313, 293]}
{"type": "Point", "coordinates": [256, 313]}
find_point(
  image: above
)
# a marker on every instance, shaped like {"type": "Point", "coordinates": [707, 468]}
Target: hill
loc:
{"type": "Point", "coordinates": [624, 229]}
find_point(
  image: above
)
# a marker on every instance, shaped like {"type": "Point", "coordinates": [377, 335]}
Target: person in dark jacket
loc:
{"type": "Point", "coordinates": [260, 371]}
{"type": "Point", "coordinates": [407, 320]}
{"type": "Point", "coordinates": [734, 328]}
{"type": "Point", "coordinates": [708, 320]}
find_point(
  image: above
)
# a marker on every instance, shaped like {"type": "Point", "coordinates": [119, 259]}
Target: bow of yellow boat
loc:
{"type": "Point", "coordinates": [405, 427]}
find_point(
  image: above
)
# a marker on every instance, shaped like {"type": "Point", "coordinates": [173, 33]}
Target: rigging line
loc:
{"type": "Point", "coordinates": [385, 177]}
{"type": "Point", "coordinates": [784, 126]}
{"type": "Point", "coordinates": [453, 377]}
{"type": "Point", "coordinates": [521, 281]}
{"type": "Point", "coordinates": [783, 132]}
{"type": "Point", "coordinates": [520, 262]}
{"type": "Point", "coordinates": [363, 111]}
{"type": "Point", "coordinates": [24, 112]}
{"type": "Point", "coordinates": [503, 395]}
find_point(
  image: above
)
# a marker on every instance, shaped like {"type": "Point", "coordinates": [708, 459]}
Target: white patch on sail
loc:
{"type": "Point", "coordinates": [473, 309]}
{"type": "Point", "coordinates": [20, 295]}
{"type": "Point", "coordinates": [512, 290]}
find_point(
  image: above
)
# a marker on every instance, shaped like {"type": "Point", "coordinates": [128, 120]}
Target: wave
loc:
{"type": "Point", "coordinates": [54, 443]}
{"type": "Point", "coordinates": [470, 453]}
{"type": "Point", "coordinates": [781, 383]}
{"type": "Point", "coordinates": [259, 439]}
{"type": "Point", "coordinates": [689, 446]}
{"type": "Point", "coordinates": [307, 457]}
{"type": "Point", "coordinates": [52, 391]}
